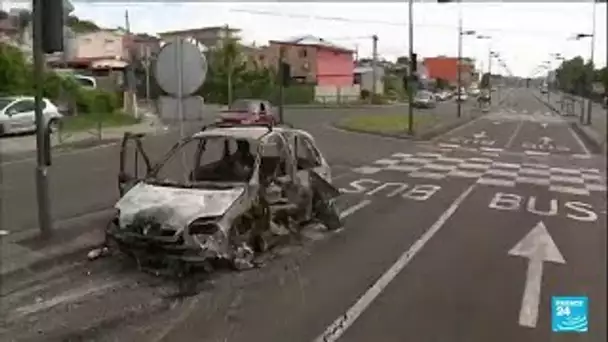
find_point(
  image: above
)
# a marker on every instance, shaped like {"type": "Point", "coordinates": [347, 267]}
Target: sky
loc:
{"type": "Point", "coordinates": [523, 34]}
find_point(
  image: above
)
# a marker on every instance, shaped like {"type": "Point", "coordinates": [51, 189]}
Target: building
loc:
{"type": "Point", "coordinates": [313, 60]}
{"type": "Point", "coordinates": [210, 37]}
{"type": "Point", "coordinates": [364, 77]}
{"type": "Point", "coordinates": [446, 68]}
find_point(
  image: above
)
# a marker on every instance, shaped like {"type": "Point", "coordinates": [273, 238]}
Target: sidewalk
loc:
{"type": "Point", "coordinates": [26, 251]}
{"type": "Point", "coordinates": [23, 144]}
{"type": "Point", "coordinates": [596, 132]}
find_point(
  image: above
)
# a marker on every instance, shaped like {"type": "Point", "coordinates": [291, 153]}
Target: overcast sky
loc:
{"type": "Point", "coordinates": [525, 34]}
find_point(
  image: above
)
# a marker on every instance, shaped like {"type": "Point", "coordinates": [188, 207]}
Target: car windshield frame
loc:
{"type": "Point", "coordinates": [243, 105]}
{"type": "Point", "coordinates": [153, 178]}
{"type": "Point", "coordinates": [5, 102]}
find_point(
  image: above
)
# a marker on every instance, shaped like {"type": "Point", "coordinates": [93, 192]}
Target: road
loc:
{"type": "Point", "coordinates": [465, 238]}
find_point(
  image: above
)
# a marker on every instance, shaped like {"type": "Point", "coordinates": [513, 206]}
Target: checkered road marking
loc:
{"type": "Point", "coordinates": [487, 171]}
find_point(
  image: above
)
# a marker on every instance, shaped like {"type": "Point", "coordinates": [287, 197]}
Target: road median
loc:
{"type": "Point", "coordinates": [427, 124]}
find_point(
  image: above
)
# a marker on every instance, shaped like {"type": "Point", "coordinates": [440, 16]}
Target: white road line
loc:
{"type": "Point", "coordinates": [60, 154]}
{"type": "Point", "coordinates": [340, 325]}
{"type": "Point", "coordinates": [470, 123]}
{"type": "Point", "coordinates": [367, 170]}
{"type": "Point", "coordinates": [536, 153]}
{"type": "Point", "coordinates": [579, 141]}
{"type": "Point", "coordinates": [514, 135]}
{"type": "Point", "coordinates": [354, 208]}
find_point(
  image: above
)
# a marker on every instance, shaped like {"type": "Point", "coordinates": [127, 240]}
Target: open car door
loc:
{"type": "Point", "coordinates": [134, 164]}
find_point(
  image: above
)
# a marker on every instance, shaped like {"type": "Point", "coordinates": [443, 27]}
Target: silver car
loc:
{"type": "Point", "coordinates": [17, 114]}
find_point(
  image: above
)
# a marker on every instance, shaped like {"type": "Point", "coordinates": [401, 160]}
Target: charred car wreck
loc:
{"type": "Point", "coordinates": [225, 193]}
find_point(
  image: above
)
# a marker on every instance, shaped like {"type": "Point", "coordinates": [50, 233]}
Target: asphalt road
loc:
{"type": "Point", "coordinates": [85, 181]}
{"type": "Point", "coordinates": [452, 240]}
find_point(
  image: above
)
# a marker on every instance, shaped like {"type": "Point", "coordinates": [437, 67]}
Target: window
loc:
{"type": "Point", "coordinates": [23, 106]}
{"type": "Point", "coordinates": [303, 53]}
{"type": "Point", "coordinates": [357, 78]}
{"type": "Point", "coordinates": [306, 154]}
{"type": "Point", "coordinates": [274, 158]}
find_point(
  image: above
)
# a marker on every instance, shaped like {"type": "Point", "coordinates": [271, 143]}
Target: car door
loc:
{"type": "Point", "coordinates": [308, 157]}
{"type": "Point", "coordinates": [21, 116]}
{"type": "Point", "coordinates": [134, 165]}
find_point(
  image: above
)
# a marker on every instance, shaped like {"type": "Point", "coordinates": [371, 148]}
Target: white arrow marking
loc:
{"type": "Point", "coordinates": [480, 135]}
{"type": "Point", "coordinates": [544, 125]}
{"type": "Point", "coordinates": [538, 247]}
{"type": "Point", "coordinates": [545, 140]}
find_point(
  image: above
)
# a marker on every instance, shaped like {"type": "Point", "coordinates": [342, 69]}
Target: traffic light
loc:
{"type": "Point", "coordinates": [285, 73]}
{"type": "Point", "coordinates": [52, 24]}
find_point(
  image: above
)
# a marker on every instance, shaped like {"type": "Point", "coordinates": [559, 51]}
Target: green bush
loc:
{"type": "Point", "coordinates": [96, 101]}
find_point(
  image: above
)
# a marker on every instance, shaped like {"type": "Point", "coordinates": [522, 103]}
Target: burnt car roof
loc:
{"type": "Point", "coordinates": [246, 132]}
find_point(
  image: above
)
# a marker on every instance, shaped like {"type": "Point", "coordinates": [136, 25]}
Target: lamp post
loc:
{"type": "Point", "coordinates": [580, 36]}
{"type": "Point", "coordinates": [461, 33]}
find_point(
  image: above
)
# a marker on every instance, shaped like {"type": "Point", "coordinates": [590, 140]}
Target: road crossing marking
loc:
{"type": "Point", "coordinates": [487, 171]}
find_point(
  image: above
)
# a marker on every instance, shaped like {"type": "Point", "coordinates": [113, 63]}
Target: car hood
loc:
{"type": "Point", "coordinates": [174, 208]}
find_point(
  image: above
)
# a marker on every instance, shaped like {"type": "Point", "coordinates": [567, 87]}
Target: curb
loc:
{"type": "Point", "coordinates": [595, 146]}
{"type": "Point", "coordinates": [432, 133]}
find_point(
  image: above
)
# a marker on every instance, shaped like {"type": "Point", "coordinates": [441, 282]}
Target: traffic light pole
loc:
{"type": "Point", "coordinates": [281, 69]}
{"type": "Point", "coordinates": [410, 90]}
{"type": "Point", "coordinates": [42, 143]}
{"type": "Point", "coordinates": [459, 64]}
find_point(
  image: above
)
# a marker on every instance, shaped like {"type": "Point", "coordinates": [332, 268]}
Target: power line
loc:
{"type": "Point", "coordinates": [389, 23]}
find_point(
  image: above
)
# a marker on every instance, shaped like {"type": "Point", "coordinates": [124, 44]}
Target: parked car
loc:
{"type": "Point", "coordinates": [424, 99]}
{"type": "Point", "coordinates": [241, 187]}
{"type": "Point", "coordinates": [442, 96]}
{"type": "Point", "coordinates": [247, 111]}
{"type": "Point", "coordinates": [17, 114]}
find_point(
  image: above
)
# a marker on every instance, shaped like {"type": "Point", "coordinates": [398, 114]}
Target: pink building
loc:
{"type": "Point", "coordinates": [314, 61]}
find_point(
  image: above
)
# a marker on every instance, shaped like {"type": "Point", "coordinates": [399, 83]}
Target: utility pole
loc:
{"type": "Point", "coordinates": [374, 64]}
{"type": "Point", "coordinates": [130, 102]}
{"type": "Point", "coordinates": [589, 102]}
{"type": "Point", "coordinates": [230, 67]}
{"type": "Point", "coordinates": [281, 68]}
{"type": "Point", "coordinates": [410, 90]}
{"type": "Point", "coordinates": [490, 75]}
{"type": "Point", "coordinates": [459, 63]}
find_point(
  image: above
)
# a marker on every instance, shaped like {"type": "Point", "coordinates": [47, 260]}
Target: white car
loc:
{"type": "Point", "coordinates": [17, 114]}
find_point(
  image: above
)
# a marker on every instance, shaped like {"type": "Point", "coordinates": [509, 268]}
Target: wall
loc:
{"type": "Point", "coordinates": [334, 68]}
{"type": "Point", "coordinates": [99, 44]}
{"type": "Point", "coordinates": [337, 94]}
{"type": "Point", "coordinates": [301, 58]}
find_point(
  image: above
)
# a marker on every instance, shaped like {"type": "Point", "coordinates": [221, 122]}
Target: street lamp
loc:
{"type": "Point", "coordinates": [461, 33]}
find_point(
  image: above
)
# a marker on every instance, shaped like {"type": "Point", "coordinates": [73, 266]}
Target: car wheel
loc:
{"type": "Point", "coordinates": [2, 130]}
{"type": "Point", "coordinates": [54, 125]}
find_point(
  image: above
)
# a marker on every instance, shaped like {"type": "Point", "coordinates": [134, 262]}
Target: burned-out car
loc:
{"type": "Point", "coordinates": [224, 193]}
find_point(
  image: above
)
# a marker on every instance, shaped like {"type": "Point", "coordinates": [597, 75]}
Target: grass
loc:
{"type": "Point", "coordinates": [390, 123]}
{"type": "Point", "coordinates": [85, 122]}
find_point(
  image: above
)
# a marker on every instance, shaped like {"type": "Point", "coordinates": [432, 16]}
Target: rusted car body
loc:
{"type": "Point", "coordinates": [212, 214]}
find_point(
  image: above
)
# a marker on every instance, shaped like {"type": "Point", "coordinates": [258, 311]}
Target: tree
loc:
{"type": "Point", "coordinates": [81, 26]}
{"type": "Point", "coordinates": [15, 73]}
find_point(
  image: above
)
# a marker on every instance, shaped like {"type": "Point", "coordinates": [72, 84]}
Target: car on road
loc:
{"type": "Point", "coordinates": [225, 193]}
{"type": "Point", "coordinates": [443, 96]}
{"type": "Point", "coordinates": [424, 99]}
{"type": "Point", "coordinates": [17, 114]}
{"type": "Point", "coordinates": [248, 111]}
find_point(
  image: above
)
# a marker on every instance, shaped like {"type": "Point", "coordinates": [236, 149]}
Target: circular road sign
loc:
{"type": "Point", "coordinates": [180, 60]}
